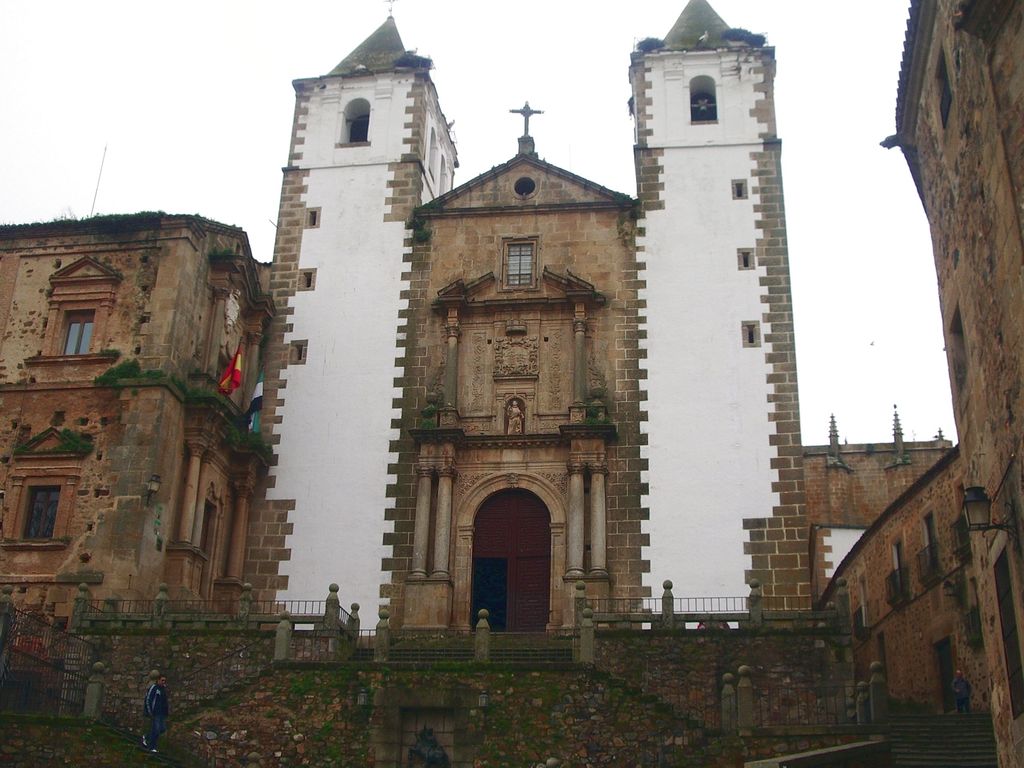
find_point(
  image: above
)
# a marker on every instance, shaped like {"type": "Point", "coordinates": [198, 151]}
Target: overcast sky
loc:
{"type": "Point", "coordinates": [193, 101]}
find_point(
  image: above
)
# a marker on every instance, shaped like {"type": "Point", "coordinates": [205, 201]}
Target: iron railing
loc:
{"type": "Point", "coordinates": [897, 586]}
{"type": "Point", "coordinates": [804, 705]}
{"type": "Point", "coordinates": [43, 668]}
{"type": "Point", "coordinates": [928, 563]}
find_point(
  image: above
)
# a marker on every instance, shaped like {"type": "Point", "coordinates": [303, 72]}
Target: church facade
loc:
{"type": "Point", "coordinates": [480, 395]}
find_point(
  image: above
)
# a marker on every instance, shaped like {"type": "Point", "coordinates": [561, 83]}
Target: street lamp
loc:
{"type": "Point", "coordinates": [977, 510]}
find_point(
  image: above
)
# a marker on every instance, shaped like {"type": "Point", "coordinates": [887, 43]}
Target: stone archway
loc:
{"type": "Point", "coordinates": [512, 561]}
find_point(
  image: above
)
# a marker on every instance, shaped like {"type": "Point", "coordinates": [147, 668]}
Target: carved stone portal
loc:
{"type": "Point", "coordinates": [515, 357]}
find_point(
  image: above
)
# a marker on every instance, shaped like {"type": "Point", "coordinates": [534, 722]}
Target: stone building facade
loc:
{"type": "Point", "coordinates": [507, 354]}
{"type": "Point", "coordinates": [120, 466]}
{"type": "Point", "coordinates": [960, 125]}
{"type": "Point", "coordinates": [914, 593]}
{"type": "Point", "coordinates": [849, 484]}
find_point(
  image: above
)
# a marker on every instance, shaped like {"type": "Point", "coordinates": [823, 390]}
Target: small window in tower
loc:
{"type": "Point", "coordinates": [307, 279]}
{"type": "Point", "coordinates": [432, 158]}
{"type": "Point", "coordinates": [79, 333]}
{"type": "Point", "coordinates": [357, 121]}
{"type": "Point", "coordinates": [945, 91]}
{"type": "Point", "coordinates": [957, 351]}
{"type": "Point", "coordinates": [739, 189]}
{"type": "Point", "coordinates": [312, 218]}
{"type": "Point", "coordinates": [298, 351]}
{"type": "Point", "coordinates": [519, 265]}
{"type": "Point", "coordinates": [751, 331]}
{"type": "Point", "coordinates": [745, 257]}
{"type": "Point", "coordinates": [703, 104]}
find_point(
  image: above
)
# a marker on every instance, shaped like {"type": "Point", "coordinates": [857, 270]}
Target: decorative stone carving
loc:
{"type": "Point", "coordinates": [555, 370]}
{"type": "Point", "coordinates": [515, 417]}
{"type": "Point", "coordinates": [427, 751]}
{"type": "Point", "coordinates": [515, 356]}
{"type": "Point", "coordinates": [478, 367]}
{"type": "Point", "coordinates": [465, 482]}
{"type": "Point", "coordinates": [558, 479]}
{"type": "Point", "coordinates": [513, 480]}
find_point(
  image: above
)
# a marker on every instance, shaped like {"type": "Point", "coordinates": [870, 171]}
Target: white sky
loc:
{"type": "Point", "coordinates": [194, 102]}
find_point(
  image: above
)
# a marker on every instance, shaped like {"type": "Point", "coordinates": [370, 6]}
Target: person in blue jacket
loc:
{"type": "Point", "coordinates": [157, 708]}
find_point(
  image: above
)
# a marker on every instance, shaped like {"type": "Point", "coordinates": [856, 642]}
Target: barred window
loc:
{"type": "Point", "coordinates": [42, 512]}
{"type": "Point", "coordinates": [519, 264]}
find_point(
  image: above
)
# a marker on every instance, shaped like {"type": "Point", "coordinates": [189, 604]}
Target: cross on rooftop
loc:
{"type": "Point", "coordinates": [391, 7]}
{"type": "Point", "coordinates": [526, 112]}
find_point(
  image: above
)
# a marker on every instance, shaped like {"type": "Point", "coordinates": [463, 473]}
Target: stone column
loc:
{"type": "Point", "coordinates": [598, 528]}
{"type": "Point", "coordinates": [421, 533]}
{"type": "Point", "coordinates": [188, 506]}
{"type": "Point", "coordinates": [451, 363]}
{"type": "Point", "coordinates": [213, 343]}
{"type": "Point", "coordinates": [239, 530]}
{"type": "Point", "coordinates": [443, 533]}
{"type": "Point", "coordinates": [199, 515]}
{"type": "Point", "coordinates": [579, 356]}
{"type": "Point", "coordinates": [574, 548]}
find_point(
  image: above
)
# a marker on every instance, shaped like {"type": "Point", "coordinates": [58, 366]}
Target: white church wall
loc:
{"type": "Point", "coordinates": [336, 430]}
{"type": "Point", "coordinates": [709, 455]}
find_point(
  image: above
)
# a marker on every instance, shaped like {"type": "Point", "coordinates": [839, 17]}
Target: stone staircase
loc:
{"type": "Point", "coordinates": [943, 741]}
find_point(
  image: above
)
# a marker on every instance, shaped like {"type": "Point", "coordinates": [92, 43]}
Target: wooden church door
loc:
{"type": "Point", "coordinates": [512, 561]}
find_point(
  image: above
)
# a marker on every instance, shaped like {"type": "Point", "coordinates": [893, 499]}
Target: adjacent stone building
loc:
{"type": "Point", "coordinates": [120, 465]}
{"type": "Point", "coordinates": [960, 125]}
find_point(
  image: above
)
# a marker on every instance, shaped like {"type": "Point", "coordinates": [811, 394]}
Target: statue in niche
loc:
{"type": "Point", "coordinates": [515, 417]}
{"type": "Point", "coordinates": [428, 750]}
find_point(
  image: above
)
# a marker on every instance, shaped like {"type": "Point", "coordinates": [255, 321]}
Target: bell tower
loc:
{"type": "Point", "coordinates": [724, 460]}
{"type": "Point", "coordinates": [369, 143]}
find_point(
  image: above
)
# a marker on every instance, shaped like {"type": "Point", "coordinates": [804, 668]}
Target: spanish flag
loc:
{"type": "Point", "coordinates": [232, 378]}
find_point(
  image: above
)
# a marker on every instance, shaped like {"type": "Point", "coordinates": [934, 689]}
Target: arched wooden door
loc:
{"type": "Point", "coordinates": [512, 561]}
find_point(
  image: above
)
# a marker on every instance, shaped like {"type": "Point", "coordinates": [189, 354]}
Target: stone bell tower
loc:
{"type": "Point", "coordinates": [725, 473]}
{"type": "Point", "coordinates": [369, 143]}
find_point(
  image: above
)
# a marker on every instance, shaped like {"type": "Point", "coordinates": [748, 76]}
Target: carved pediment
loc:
{"type": "Point", "coordinates": [526, 181]}
{"type": "Point", "coordinates": [53, 440]}
{"type": "Point", "coordinates": [482, 292]}
{"type": "Point", "coordinates": [86, 269]}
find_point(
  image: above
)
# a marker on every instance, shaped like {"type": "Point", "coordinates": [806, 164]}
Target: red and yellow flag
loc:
{"type": "Point", "coordinates": [232, 378]}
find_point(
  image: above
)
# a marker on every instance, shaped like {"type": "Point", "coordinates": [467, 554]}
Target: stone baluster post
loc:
{"type": "Point", "coordinates": [283, 638]}
{"type": "Point", "coordinates": [80, 608]}
{"type": "Point", "coordinates": [443, 533]}
{"type": "Point", "coordinates": [353, 619]}
{"type": "Point", "coordinates": [421, 532]}
{"type": "Point", "coordinates": [744, 700]}
{"type": "Point", "coordinates": [451, 362]}
{"type": "Point", "coordinates": [7, 613]}
{"type": "Point", "coordinates": [587, 637]}
{"type": "Point", "coordinates": [160, 605]}
{"type": "Point", "coordinates": [879, 694]}
{"type": "Point", "coordinates": [598, 524]}
{"type": "Point", "coordinates": [668, 605]}
{"type": "Point", "coordinates": [579, 601]}
{"type": "Point", "coordinates": [94, 693]}
{"type": "Point", "coordinates": [245, 604]}
{"type": "Point", "coordinates": [579, 355]}
{"type": "Point", "coordinates": [842, 604]}
{"type": "Point", "coordinates": [755, 603]}
{"type": "Point", "coordinates": [482, 641]}
{"type": "Point", "coordinates": [382, 641]}
{"type": "Point", "coordinates": [729, 723]}
{"type": "Point", "coordinates": [574, 549]}
{"type": "Point", "coordinates": [863, 703]}
{"type": "Point", "coordinates": [332, 609]}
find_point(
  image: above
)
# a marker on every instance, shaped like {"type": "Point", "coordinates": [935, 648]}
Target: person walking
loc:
{"type": "Point", "coordinates": [961, 692]}
{"type": "Point", "coordinates": [157, 708]}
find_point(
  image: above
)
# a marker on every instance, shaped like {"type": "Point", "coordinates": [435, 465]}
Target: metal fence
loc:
{"type": "Point", "coordinates": [42, 667]}
{"type": "Point", "coordinates": [804, 705]}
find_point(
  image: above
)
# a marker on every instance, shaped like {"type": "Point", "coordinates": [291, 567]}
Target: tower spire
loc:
{"type": "Point", "coordinates": [697, 26]}
{"type": "Point", "coordinates": [378, 52]}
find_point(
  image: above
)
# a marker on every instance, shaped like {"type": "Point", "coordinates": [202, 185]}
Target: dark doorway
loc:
{"type": "Point", "coordinates": [944, 652]}
{"type": "Point", "coordinates": [512, 561]}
